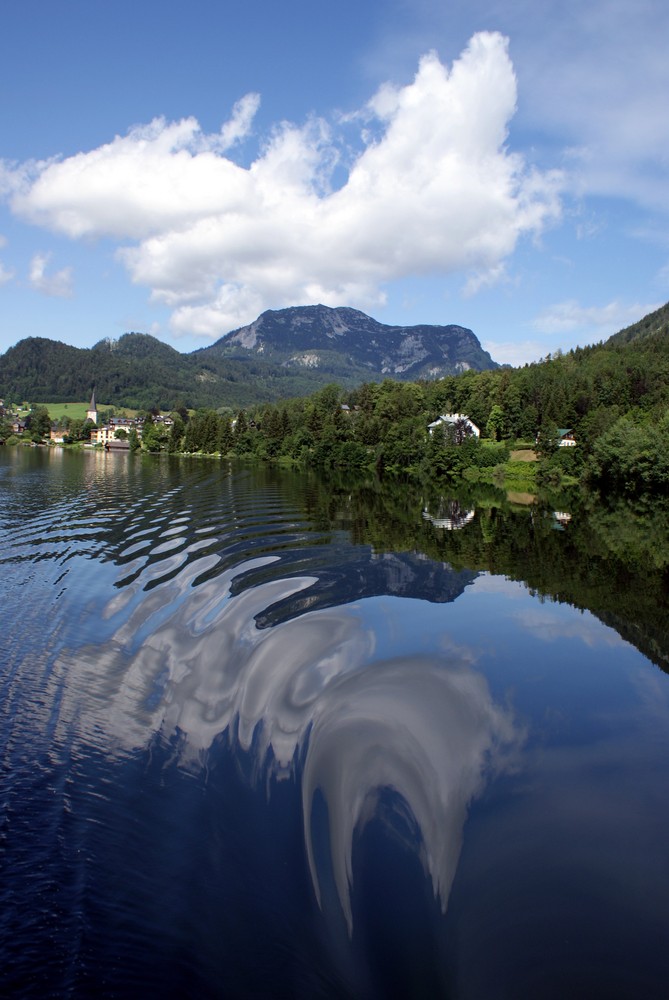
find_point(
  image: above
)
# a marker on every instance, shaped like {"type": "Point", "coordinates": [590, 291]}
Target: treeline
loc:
{"type": "Point", "coordinates": [614, 397]}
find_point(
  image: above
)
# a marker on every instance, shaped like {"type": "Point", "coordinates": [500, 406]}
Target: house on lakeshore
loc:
{"type": "Point", "coordinates": [106, 435]}
{"type": "Point", "coordinates": [566, 437]}
{"type": "Point", "coordinates": [455, 420]}
{"type": "Point", "coordinates": [57, 434]}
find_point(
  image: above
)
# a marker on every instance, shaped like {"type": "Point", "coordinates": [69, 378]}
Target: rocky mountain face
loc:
{"type": "Point", "coordinates": [322, 338]}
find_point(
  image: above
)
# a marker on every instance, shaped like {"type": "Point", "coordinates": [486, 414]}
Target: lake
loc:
{"type": "Point", "coordinates": [265, 736]}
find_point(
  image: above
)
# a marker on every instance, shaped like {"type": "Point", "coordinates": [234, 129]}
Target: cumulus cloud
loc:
{"type": "Point", "coordinates": [569, 316]}
{"type": "Point", "coordinates": [433, 189]}
{"type": "Point", "coordinates": [57, 284]}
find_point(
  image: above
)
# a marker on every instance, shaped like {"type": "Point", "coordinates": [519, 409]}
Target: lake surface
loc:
{"type": "Point", "coordinates": [264, 737]}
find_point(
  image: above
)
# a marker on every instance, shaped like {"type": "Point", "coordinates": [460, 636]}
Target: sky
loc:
{"type": "Point", "coordinates": [176, 168]}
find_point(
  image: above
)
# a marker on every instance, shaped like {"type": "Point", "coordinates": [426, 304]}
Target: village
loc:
{"type": "Point", "coordinates": [113, 433]}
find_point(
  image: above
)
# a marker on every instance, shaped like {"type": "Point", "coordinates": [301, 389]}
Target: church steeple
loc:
{"type": "Point", "coordinates": [92, 411]}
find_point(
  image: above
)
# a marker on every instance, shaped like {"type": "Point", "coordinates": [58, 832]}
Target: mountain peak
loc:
{"type": "Point", "coordinates": [349, 343]}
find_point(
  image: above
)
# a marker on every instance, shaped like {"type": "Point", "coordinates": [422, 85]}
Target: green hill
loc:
{"type": "Point", "coordinates": [655, 323]}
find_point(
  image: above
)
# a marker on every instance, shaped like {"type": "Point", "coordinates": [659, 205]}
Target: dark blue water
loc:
{"type": "Point", "coordinates": [246, 752]}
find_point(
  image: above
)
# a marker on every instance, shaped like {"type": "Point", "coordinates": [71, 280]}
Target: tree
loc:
{"type": "Point", "coordinates": [632, 457]}
{"type": "Point", "coordinates": [456, 432]}
{"type": "Point", "coordinates": [38, 422]}
{"type": "Point", "coordinates": [153, 436]}
{"type": "Point", "coordinates": [496, 425]}
{"type": "Point", "coordinates": [548, 440]}
{"type": "Point", "coordinates": [225, 436]}
{"type": "Point", "coordinates": [176, 433]}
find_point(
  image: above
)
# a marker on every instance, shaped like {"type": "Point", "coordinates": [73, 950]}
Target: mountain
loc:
{"type": "Point", "coordinates": [655, 323]}
{"type": "Point", "coordinates": [284, 353]}
{"type": "Point", "coordinates": [346, 343]}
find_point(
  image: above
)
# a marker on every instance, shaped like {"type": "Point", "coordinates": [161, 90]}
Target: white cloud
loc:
{"type": "Point", "coordinates": [493, 276]}
{"type": "Point", "coordinates": [570, 316]}
{"type": "Point", "coordinates": [514, 353]}
{"type": "Point", "coordinates": [551, 625]}
{"type": "Point", "coordinates": [57, 284]}
{"type": "Point", "coordinates": [239, 125]}
{"type": "Point", "coordinates": [435, 192]}
{"type": "Point", "coordinates": [600, 86]}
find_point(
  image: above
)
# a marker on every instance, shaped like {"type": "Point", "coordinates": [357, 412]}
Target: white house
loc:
{"type": "Point", "coordinates": [452, 419]}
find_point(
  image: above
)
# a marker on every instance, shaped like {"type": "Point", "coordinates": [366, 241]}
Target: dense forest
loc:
{"type": "Point", "coordinates": [140, 372]}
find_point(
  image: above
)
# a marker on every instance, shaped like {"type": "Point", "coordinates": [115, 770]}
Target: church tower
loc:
{"type": "Point", "coordinates": [92, 411]}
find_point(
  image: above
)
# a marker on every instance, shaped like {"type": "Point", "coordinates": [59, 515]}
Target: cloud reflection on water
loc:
{"type": "Point", "coordinates": [191, 659]}
{"type": "Point", "coordinates": [424, 727]}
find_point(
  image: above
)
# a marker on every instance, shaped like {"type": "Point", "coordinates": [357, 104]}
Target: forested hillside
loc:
{"type": "Point", "coordinates": [140, 372]}
{"type": "Point", "coordinates": [654, 323]}
{"type": "Point", "coordinates": [613, 396]}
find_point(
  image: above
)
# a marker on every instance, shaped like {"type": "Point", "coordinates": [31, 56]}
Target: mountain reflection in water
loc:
{"type": "Point", "coordinates": [241, 738]}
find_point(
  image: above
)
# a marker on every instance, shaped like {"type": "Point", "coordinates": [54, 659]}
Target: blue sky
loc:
{"type": "Point", "coordinates": [178, 167]}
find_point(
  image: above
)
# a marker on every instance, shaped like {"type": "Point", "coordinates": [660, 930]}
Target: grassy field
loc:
{"type": "Point", "coordinates": [77, 411]}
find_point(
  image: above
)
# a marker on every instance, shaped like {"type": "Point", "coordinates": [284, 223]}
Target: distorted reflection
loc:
{"type": "Point", "coordinates": [425, 728]}
{"type": "Point", "coordinates": [448, 514]}
{"type": "Point", "coordinates": [317, 687]}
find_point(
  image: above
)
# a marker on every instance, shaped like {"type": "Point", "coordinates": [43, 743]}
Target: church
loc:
{"type": "Point", "coordinates": [92, 411]}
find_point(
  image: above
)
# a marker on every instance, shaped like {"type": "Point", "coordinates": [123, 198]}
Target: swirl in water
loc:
{"type": "Point", "coordinates": [192, 660]}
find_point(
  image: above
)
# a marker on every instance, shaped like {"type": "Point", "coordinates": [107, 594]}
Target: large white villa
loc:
{"type": "Point", "coordinates": [454, 418]}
